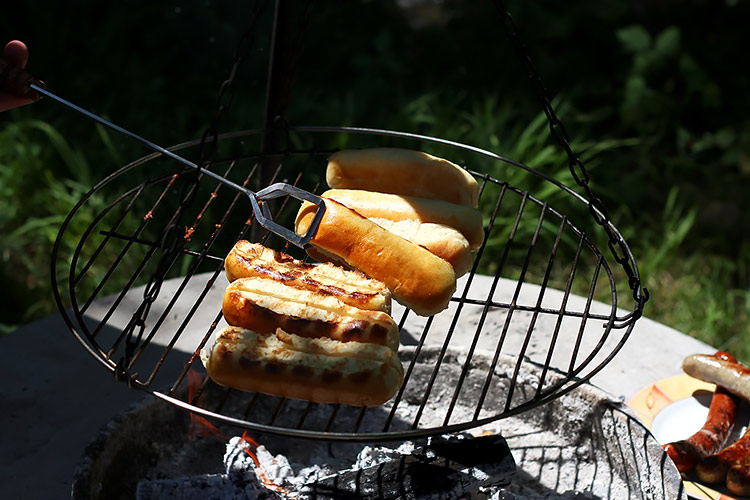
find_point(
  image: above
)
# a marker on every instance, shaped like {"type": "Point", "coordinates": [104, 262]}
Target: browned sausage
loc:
{"type": "Point", "coordinates": [715, 468]}
{"type": "Point", "coordinates": [738, 480]}
{"type": "Point", "coordinates": [710, 438]}
{"type": "Point", "coordinates": [720, 371]}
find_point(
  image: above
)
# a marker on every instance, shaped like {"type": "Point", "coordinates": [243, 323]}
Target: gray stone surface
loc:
{"type": "Point", "coordinates": [55, 396]}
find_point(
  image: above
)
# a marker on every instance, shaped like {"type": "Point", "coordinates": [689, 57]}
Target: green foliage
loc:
{"type": "Point", "coordinates": [664, 80]}
{"type": "Point", "coordinates": [697, 295]}
{"type": "Point", "coordinates": [41, 179]}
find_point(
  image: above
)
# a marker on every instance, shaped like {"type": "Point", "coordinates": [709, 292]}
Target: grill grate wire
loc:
{"type": "Point", "coordinates": [533, 243]}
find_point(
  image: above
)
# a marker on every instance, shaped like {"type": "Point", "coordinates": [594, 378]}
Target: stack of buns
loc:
{"type": "Point", "coordinates": [402, 224]}
{"type": "Point", "coordinates": [403, 217]}
{"type": "Point", "coordinates": [315, 332]}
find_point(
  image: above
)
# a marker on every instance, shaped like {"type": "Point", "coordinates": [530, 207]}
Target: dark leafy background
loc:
{"type": "Point", "coordinates": [653, 94]}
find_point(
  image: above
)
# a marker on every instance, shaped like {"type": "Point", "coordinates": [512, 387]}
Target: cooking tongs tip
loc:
{"type": "Point", "coordinates": [265, 219]}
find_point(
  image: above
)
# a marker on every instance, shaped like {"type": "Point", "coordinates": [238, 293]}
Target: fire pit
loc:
{"type": "Point", "coordinates": [583, 445]}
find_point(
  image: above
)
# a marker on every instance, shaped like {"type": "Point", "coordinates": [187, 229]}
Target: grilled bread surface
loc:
{"type": "Point", "coordinates": [263, 305]}
{"type": "Point", "coordinates": [352, 287]}
{"type": "Point", "coordinates": [320, 370]}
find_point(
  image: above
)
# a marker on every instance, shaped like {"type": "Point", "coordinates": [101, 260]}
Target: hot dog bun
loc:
{"type": "Point", "coordinates": [417, 278]}
{"type": "Point", "coordinates": [320, 370]}
{"type": "Point", "coordinates": [262, 305]}
{"type": "Point", "coordinates": [351, 287]}
{"type": "Point", "coordinates": [404, 172]}
{"type": "Point", "coordinates": [443, 241]}
{"type": "Point", "coordinates": [468, 221]}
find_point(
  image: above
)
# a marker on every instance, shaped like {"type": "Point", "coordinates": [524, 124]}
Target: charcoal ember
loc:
{"type": "Point", "coordinates": [370, 455]}
{"type": "Point", "coordinates": [520, 492]}
{"type": "Point", "coordinates": [446, 468]}
{"type": "Point", "coordinates": [214, 486]}
{"type": "Point", "coordinates": [276, 469]}
{"type": "Point", "coordinates": [535, 495]}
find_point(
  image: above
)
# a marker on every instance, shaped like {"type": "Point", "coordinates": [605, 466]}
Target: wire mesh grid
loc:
{"type": "Point", "coordinates": [138, 272]}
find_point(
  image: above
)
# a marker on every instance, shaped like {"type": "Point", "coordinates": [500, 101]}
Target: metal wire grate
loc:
{"type": "Point", "coordinates": [138, 273]}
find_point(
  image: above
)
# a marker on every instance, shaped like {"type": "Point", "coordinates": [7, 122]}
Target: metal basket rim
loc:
{"type": "Point", "coordinates": [627, 321]}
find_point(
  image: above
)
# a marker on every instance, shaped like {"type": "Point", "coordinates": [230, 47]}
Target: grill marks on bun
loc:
{"type": "Point", "coordinates": [262, 305]}
{"type": "Point", "coordinates": [321, 370]}
{"type": "Point", "coordinates": [350, 286]}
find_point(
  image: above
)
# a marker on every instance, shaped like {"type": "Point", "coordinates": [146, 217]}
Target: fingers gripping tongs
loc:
{"type": "Point", "coordinates": [18, 82]}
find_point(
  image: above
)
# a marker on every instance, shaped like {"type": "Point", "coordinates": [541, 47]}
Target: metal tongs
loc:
{"type": "Point", "coordinates": [18, 82]}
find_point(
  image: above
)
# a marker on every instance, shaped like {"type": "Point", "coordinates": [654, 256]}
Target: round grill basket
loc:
{"type": "Point", "coordinates": [138, 275]}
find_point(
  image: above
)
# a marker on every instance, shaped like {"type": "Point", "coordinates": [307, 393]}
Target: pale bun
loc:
{"type": "Point", "coordinates": [319, 370]}
{"type": "Point", "coordinates": [262, 305]}
{"type": "Point", "coordinates": [404, 172]}
{"type": "Point", "coordinates": [417, 278]}
{"type": "Point", "coordinates": [441, 240]}
{"type": "Point", "coordinates": [468, 221]}
{"type": "Point", "coordinates": [352, 287]}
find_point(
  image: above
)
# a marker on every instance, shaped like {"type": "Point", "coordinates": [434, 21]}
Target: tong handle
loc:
{"type": "Point", "coordinates": [17, 81]}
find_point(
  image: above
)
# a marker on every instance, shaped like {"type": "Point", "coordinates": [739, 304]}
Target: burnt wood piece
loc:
{"type": "Point", "coordinates": [446, 468]}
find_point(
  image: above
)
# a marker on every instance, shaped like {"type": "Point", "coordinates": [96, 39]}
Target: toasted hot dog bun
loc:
{"type": "Point", "coordinates": [417, 278]}
{"type": "Point", "coordinates": [351, 287]}
{"type": "Point", "coordinates": [262, 305]}
{"type": "Point", "coordinates": [404, 172]}
{"type": "Point", "coordinates": [319, 370]}
{"type": "Point", "coordinates": [468, 221]}
{"type": "Point", "coordinates": [443, 241]}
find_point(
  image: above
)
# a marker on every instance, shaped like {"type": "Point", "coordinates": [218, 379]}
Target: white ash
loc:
{"type": "Point", "coordinates": [580, 445]}
{"type": "Point", "coordinates": [370, 455]}
{"type": "Point", "coordinates": [569, 449]}
{"type": "Point", "coordinates": [277, 468]}
{"type": "Point", "coordinates": [364, 474]}
{"type": "Point", "coordinates": [521, 492]}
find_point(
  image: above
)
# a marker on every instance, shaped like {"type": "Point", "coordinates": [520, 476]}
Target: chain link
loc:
{"type": "Point", "coordinates": [172, 243]}
{"type": "Point", "coordinates": [171, 246]}
{"type": "Point", "coordinates": [210, 139]}
{"type": "Point", "coordinates": [575, 165]}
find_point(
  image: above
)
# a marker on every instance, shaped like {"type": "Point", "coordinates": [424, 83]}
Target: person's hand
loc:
{"type": "Point", "coordinates": [16, 53]}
